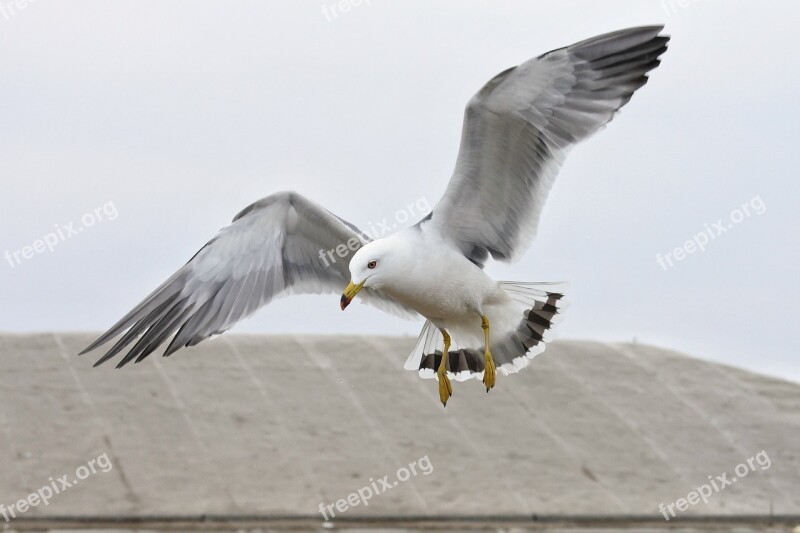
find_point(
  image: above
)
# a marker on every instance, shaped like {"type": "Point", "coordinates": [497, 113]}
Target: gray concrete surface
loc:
{"type": "Point", "coordinates": [273, 426]}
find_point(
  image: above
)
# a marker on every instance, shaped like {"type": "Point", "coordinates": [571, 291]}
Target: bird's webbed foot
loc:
{"type": "Point", "coordinates": [489, 371]}
{"type": "Point", "coordinates": [445, 389]}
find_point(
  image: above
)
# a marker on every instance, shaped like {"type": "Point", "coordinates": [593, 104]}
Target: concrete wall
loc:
{"type": "Point", "coordinates": [268, 426]}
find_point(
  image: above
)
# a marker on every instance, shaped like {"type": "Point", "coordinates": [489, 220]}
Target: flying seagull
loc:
{"type": "Point", "coordinates": [517, 131]}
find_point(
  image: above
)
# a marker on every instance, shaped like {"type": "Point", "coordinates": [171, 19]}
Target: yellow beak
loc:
{"type": "Point", "coordinates": [349, 293]}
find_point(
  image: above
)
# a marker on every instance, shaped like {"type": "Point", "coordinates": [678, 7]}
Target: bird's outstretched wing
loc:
{"type": "Point", "coordinates": [519, 127]}
{"type": "Point", "coordinates": [277, 246]}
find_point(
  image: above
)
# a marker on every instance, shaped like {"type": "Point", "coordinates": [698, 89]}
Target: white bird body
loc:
{"type": "Point", "coordinates": [431, 277]}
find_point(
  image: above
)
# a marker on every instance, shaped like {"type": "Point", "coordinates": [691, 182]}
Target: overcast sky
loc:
{"type": "Point", "coordinates": [150, 124]}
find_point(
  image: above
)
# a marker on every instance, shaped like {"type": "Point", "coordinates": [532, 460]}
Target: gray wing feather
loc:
{"type": "Point", "coordinates": [518, 129]}
{"type": "Point", "coordinates": [271, 249]}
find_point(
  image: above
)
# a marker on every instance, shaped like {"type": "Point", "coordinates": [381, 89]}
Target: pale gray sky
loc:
{"type": "Point", "coordinates": [175, 115]}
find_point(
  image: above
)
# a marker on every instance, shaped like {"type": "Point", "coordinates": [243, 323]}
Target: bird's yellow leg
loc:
{"type": "Point", "coordinates": [445, 390]}
{"type": "Point", "coordinates": [489, 372]}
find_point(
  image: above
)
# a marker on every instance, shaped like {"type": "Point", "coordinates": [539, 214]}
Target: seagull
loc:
{"type": "Point", "coordinates": [516, 134]}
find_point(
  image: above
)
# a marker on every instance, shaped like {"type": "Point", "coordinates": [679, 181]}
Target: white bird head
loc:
{"type": "Point", "coordinates": [374, 265]}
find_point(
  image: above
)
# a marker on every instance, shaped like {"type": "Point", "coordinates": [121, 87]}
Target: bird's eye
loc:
{"type": "Point", "coordinates": [372, 264]}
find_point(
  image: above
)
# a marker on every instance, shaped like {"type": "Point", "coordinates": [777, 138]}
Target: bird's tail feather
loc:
{"type": "Point", "coordinates": [539, 307]}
